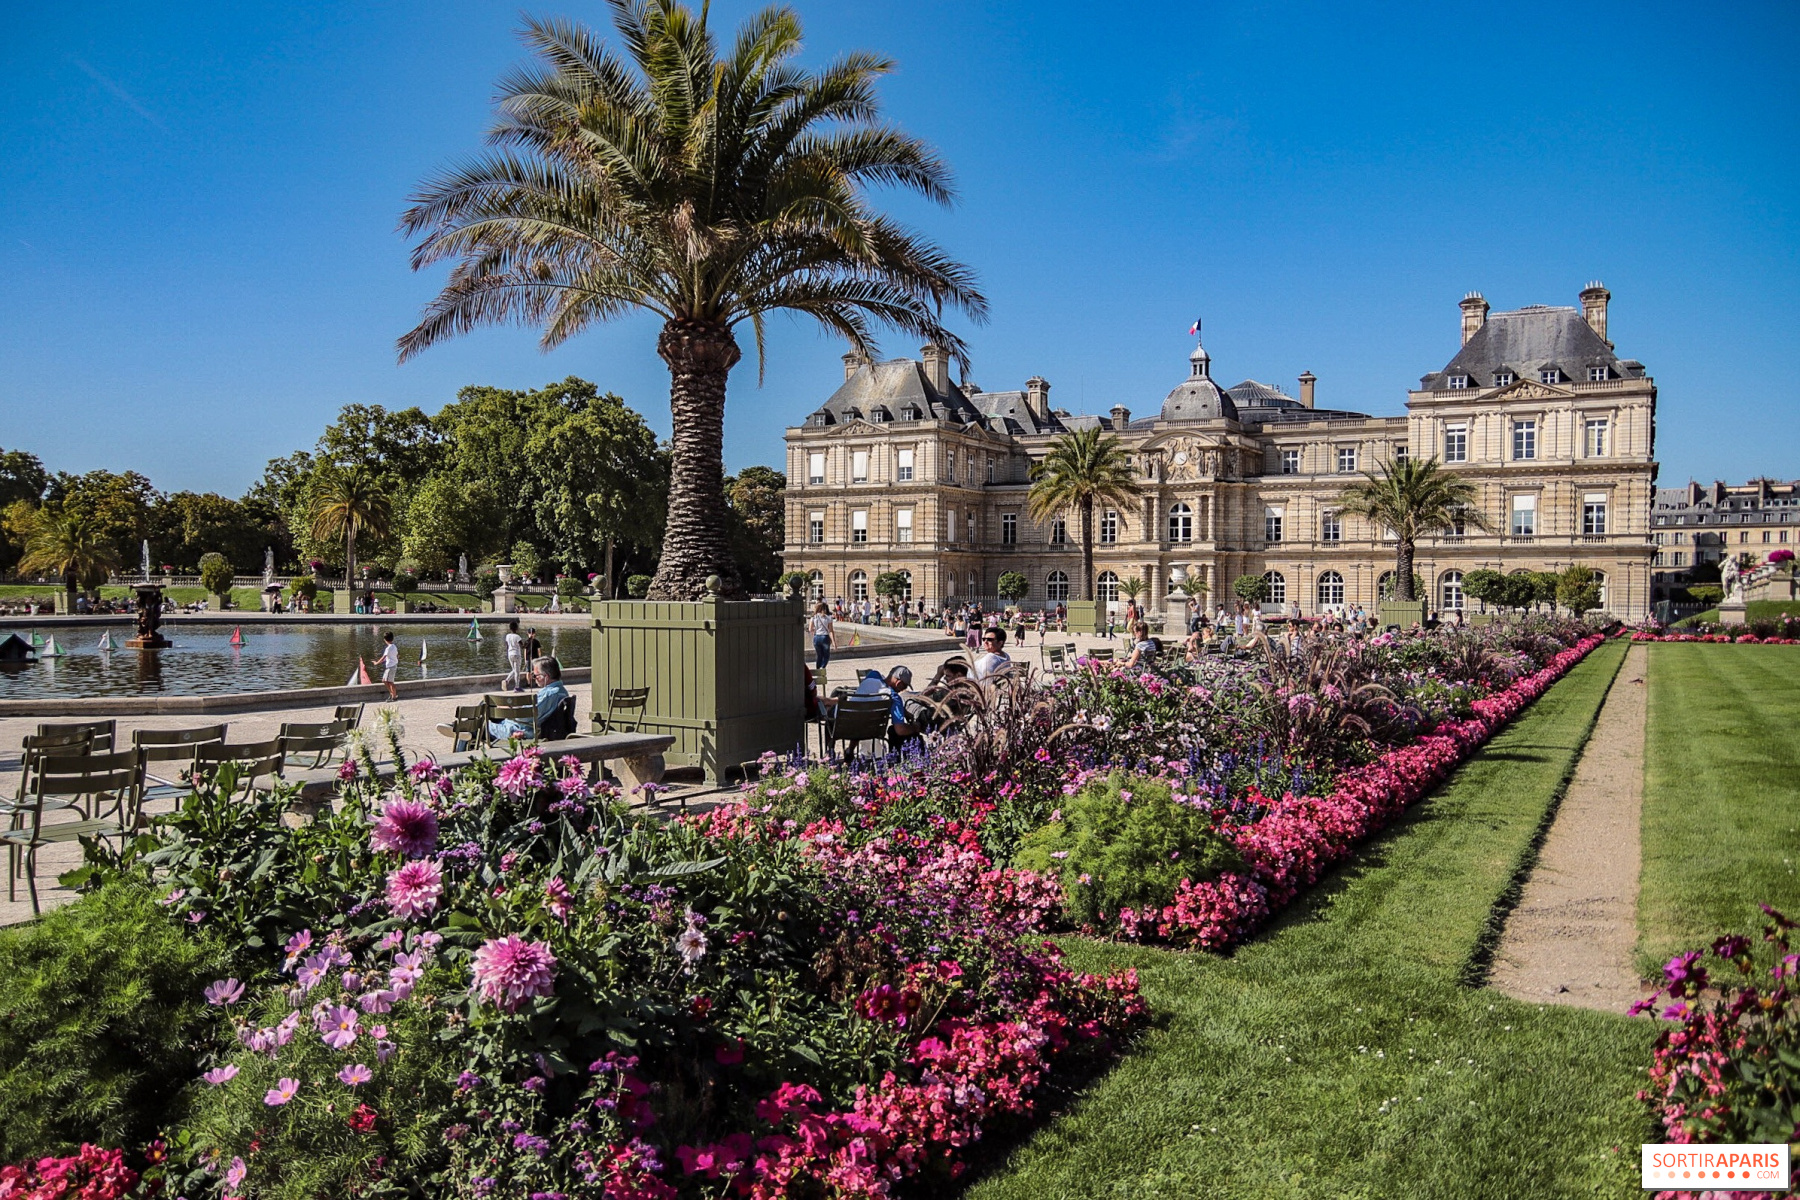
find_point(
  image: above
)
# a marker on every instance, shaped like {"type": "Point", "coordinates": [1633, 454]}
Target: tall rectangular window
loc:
{"type": "Point", "coordinates": [1524, 440]}
{"type": "Point", "coordinates": [1524, 516]}
{"type": "Point", "coordinates": [1059, 532]}
{"type": "Point", "coordinates": [1272, 524]}
{"type": "Point", "coordinates": [859, 466]}
{"type": "Point", "coordinates": [815, 527]}
{"type": "Point", "coordinates": [990, 468]}
{"type": "Point", "coordinates": [903, 464]}
{"type": "Point", "coordinates": [1596, 438]}
{"type": "Point", "coordinates": [950, 526]}
{"type": "Point", "coordinates": [1109, 527]}
{"type": "Point", "coordinates": [950, 466]}
{"type": "Point", "coordinates": [1290, 462]}
{"type": "Point", "coordinates": [1593, 514]}
{"type": "Point", "coordinates": [815, 467]}
{"type": "Point", "coordinates": [1009, 529]}
{"type": "Point", "coordinates": [859, 525]}
{"type": "Point", "coordinates": [1346, 459]}
{"type": "Point", "coordinates": [903, 525]}
{"type": "Point", "coordinates": [972, 537]}
{"type": "Point", "coordinates": [1331, 527]}
{"type": "Point", "coordinates": [1456, 443]}
{"type": "Point", "coordinates": [1400, 452]}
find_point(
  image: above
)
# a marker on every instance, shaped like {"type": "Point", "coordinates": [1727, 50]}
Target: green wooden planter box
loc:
{"type": "Point", "coordinates": [1403, 613]}
{"type": "Point", "coordinates": [342, 601]}
{"type": "Point", "coordinates": [1086, 616]}
{"type": "Point", "coordinates": [726, 677]}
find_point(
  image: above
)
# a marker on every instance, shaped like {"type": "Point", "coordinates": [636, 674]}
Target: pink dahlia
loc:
{"type": "Point", "coordinates": [406, 827]}
{"type": "Point", "coordinates": [413, 890]}
{"type": "Point", "coordinates": [510, 971]}
{"type": "Point", "coordinates": [520, 776]}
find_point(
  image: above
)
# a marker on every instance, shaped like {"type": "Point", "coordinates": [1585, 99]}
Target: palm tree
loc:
{"type": "Point", "coordinates": [61, 542]}
{"type": "Point", "coordinates": [348, 503]}
{"type": "Point", "coordinates": [709, 189]}
{"type": "Point", "coordinates": [1082, 469]}
{"type": "Point", "coordinates": [1410, 498]}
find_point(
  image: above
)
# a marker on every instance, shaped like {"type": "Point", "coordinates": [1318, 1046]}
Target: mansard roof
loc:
{"type": "Point", "coordinates": [1526, 342]}
{"type": "Point", "coordinates": [896, 390]}
{"type": "Point", "coordinates": [1251, 393]}
{"type": "Point", "coordinates": [1010, 412]}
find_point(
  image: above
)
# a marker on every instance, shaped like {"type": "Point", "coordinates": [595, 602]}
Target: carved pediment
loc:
{"type": "Point", "coordinates": [1526, 389]}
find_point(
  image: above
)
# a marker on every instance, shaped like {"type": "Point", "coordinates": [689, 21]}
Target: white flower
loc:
{"type": "Point", "coordinates": [692, 945]}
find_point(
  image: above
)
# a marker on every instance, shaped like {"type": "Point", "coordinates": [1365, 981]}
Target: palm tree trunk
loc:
{"type": "Point", "coordinates": [69, 583]}
{"type": "Point", "coordinates": [1087, 551]}
{"type": "Point", "coordinates": [1403, 571]}
{"type": "Point", "coordinates": [700, 355]}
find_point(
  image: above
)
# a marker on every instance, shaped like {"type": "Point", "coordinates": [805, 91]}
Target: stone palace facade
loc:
{"type": "Point", "coordinates": [903, 470]}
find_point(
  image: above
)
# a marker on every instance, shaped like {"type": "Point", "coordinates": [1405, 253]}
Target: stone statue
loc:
{"type": "Point", "coordinates": [268, 566]}
{"type": "Point", "coordinates": [462, 568]}
{"type": "Point", "coordinates": [1732, 577]}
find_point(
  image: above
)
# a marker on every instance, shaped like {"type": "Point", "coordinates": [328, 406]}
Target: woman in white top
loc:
{"type": "Point", "coordinates": [824, 635]}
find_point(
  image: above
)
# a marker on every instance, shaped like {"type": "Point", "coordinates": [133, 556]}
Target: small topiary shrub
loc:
{"type": "Point", "coordinates": [569, 586]}
{"type": "Point", "coordinates": [1126, 842]}
{"type": "Point", "coordinates": [637, 586]}
{"type": "Point", "coordinates": [216, 574]}
{"type": "Point", "coordinates": [102, 1020]}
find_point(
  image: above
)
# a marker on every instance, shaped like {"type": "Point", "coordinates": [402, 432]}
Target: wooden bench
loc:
{"type": "Point", "coordinates": [637, 759]}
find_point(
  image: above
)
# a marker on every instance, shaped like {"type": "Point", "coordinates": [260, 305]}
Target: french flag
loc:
{"type": "Point", "coordinates": [1194, 329]}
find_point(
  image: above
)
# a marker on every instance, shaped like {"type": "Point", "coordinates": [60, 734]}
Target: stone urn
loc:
{"type": "Point", "coordinates": [504, 570]}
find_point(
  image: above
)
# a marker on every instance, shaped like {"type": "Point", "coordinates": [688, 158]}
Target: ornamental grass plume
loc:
{"type": "Point", "coordinates": [406, 827]}
{"type": "Point", "coordinates": [510, 971]}
{"type": "Point", "coordinates": [413, 890]}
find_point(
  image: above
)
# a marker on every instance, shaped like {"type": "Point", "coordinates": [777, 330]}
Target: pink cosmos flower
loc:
{"type": "Point", "coordinates": [355, 1074]}
{"type": "Point", "coordinates": [221, 1075]}
{"type": "Point", "coordinates": [406, 827]}
{"type": "Point", "coordinates": [235, 1175]}
{"type": "Point", "coordinates": [223, 992]}
{"type": "Point", "coordinates": [337, 1026]}
{"type": "Point", "coordinates": [379, 1001]}
{"type": "Point", "coordinates": [510, 971]}
{"type": "Point", "coordinates": [283, 1091]}
{"type": "Point", "coordinates": [297, 946]}
{"type": "Point", "coordinates": [413, 890]}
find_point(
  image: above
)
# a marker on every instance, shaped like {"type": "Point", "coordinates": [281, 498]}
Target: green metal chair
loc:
{"type": "Point", "coordinates": [858, 719]}
{"type": "Point", "coordinates": [111, 784]}
{"type": "Point", "coordinates": [512, 706]}
{"type": "Point", "coordinates": [102, 734]}
{"type": "Point", "coordinates": [256, 761]}
{"type": "Point", "coordinates": [171, 746]}
{"type": "Point", "coordinates": [624, 700]}
{"type": "Point", "coordinates": [322, 740]}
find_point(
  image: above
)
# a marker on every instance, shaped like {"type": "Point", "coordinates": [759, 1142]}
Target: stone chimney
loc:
{"type": "Point", "coordinates": [852, 361]}
{"type": "Point", "coordinates": [1474, 315]}
{"type": "Point", "coordinates": [1037, 397]}
{"type": "Point", "coordinates": [937, 367]}
{"type": "Point", "coordinates": [1121, 417]}
{"type": "Point", "coordinates": [1593, 308]}
{"type": "Point", "coordinates": [1307, 379]}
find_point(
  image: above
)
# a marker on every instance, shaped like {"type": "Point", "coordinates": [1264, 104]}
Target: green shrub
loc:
{"type": "Point", "coordinates": [487, 581]}
{"type": "Point", "coordinates": [216, 574]}
{"type": "Point", "coordinates": [1125, 842]}
{"type": "Point", "coordinates": [405, 582]}
{"type": "Point", "coordinates": [306, 588]}
{"type": "Point", "coordinates": [569, 585]}
{"type": "Point", "coordinates": [637, 586]}
{"type": "Point", "coordinates": [101, 1022]}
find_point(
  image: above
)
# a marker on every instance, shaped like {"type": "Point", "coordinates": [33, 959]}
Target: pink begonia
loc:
{"type": "Point", "coordinates": [413, 890]}
{"type": "Point", "coordinates": [510, 971]}
{"type": "Point", "coordinates": [406, 827]}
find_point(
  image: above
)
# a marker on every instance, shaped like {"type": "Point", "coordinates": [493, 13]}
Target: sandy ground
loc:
{"type": "Point", "coordinates": [421, 716]}
{"type": "Point", "coordinates": [1570, 939]}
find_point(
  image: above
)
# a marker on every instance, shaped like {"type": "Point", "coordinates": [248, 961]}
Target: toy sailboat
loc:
{"type": "Point", "coordinates": [35, 640]}
{"type": "Point", "coordinates": [423, 646]}
{"type": "Point", "coordinates": [106, 642]}
{"type": "Point", "coordinates": [474, 630]}
{"type": "Point", "coordinates": [51, 649]}
{"type": "Point", "coordinates": [360, 676]}
{"type": "Point", "coordinates": [237, 636]}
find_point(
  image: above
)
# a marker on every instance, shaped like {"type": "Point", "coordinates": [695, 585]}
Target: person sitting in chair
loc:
{"type": "Point", "coordinates": [546, 672]}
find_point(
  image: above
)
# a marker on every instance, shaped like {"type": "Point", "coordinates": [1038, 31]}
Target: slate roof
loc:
{"type": "Point", "coordinates": [896, 390]}
{"type": "Point", "coordinates": [1525, 342]}
{"type": "Point", "coordinates": [1251, 393]}
{"type": "Point", "coordinates": [1009, 412]}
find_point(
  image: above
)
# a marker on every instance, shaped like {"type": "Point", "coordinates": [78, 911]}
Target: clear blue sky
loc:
{"type": "Point", "coordinates": [198, 262]}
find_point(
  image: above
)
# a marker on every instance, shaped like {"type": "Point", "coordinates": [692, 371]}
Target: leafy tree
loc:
{"type": "Point", "coordinates": [115, 508]}
{"type": "Point", "coordinates": [216, 574]}
{"type": "Point", "coordinates": [1082, 469]}
{"type": "Point", "coordinates": [1706, 593]}
{"type": "Point", "coordinates": [22, 477]}
{"type": "Point", "coordinates": [1577, 589]}
{"type": "Point", "coordinates": [794, 581]}
{"type": "Point", "coordinates": [349, 504]}
{"type": "Point", "coordinates": [1484, 584]}
{"type": "Point", "coordinates": [708, 190]}
{"type": "Point", "coordinates": [1251, 589]}
{"type": "Point", "coordinates": [757, 500]}
{"type": "Point", "coordinates": [1012, 586]}
{"type": "Point", "coordinates": [187, 525]}
{"type": "Point", "coordinates": [1543, 587]}
{"type": "Point", "coordinates": [1410, 498]}
{"type": "Point", "coordinates": [444, 520]}
{"type": "Point", "coordinates": [64, 541]}
{"type": "Point", "coordinates": [1131, 588]}
{"type": "Point", "coordinates": [527, 563]}
{"type": "Point", "coordinates": [892, 584]}
{"type": "Point", "coordinates": [399, 448]}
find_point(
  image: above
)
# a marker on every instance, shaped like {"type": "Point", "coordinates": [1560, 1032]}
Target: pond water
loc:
{"type": "Point", "coordinates": [273, 657]}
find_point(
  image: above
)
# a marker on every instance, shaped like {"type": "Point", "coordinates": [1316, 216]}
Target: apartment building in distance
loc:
{"type": "Point", "coordinates": [902, 470]}
{"type": "Point", "coordinates": [1698, 525]}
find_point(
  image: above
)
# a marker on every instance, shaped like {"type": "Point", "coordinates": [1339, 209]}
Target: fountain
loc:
{"type": "Point", "coordinates": [149, 618]}
{"type": "Point", "coordinates": [146, 560]}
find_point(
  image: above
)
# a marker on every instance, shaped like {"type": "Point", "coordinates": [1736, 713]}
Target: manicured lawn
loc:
{"type": "Point", "coordinates": [1339, 1055]}
{"type": "Point", "coordinates": [1755, 610]}
{"type": "Point", "coordinates": [1721, 793]}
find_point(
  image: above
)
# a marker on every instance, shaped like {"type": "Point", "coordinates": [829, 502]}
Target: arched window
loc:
{"type": "Point", "coordinates": [1107, 587]}
{"type": "Point", "coordinates": [859, 586]}
{"type": "Point", "coordinates": [974, 586]}
{"type": "Point", "coordinates": [1384, 586]}
{"type": "Point", "coordinates": [1277, 587]}
{"type": "Point", "coordinates": [816, 589]}
{"type": "Point", "coordinates": [1450, 593]}
{"type": "Point", "coordinates": [1056, 587]}
{"type": "Point", "coordinates": [1600, 582]}
{"type": "Point", "coordinates": [950, 585]}
{"type": "Point", "coordinates": [1181, 523]}
{"type": "Point", "coordinates": [1331, 590]}
{"type": "Point", "coordinates": [906, 596]}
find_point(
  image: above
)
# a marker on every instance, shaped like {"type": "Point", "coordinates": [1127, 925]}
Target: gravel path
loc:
{"type": "Point", "coordinates": [1570, 940]}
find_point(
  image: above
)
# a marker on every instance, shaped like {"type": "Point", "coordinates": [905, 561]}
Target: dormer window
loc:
{"type": "Point", "coordinates": [1599, 374]}
{"type": "Point", "coordinates": [1550, 375]}
{"type": "Point", "coordinates": [1504, 378]}
{"type": "Point", "coordinates": [1459, 381]}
